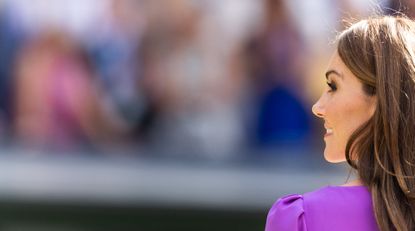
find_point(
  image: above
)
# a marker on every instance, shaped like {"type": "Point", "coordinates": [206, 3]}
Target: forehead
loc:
{"type": "Point", "coordinates": [336, 65]}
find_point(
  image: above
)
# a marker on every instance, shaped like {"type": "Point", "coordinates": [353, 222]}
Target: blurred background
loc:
{"type": "Point", "coordinates": [163, 114]}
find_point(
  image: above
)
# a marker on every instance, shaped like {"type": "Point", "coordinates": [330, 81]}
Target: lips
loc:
{"type": "Point", "coordinates": [329, 131]}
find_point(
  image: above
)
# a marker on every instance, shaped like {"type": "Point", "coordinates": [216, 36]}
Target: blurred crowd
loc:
{"type": "Point", "coordinates": [179, 77]}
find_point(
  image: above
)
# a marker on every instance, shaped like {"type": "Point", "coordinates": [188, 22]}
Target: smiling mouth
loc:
{"type": "Point", "coordinates": [329, 132]}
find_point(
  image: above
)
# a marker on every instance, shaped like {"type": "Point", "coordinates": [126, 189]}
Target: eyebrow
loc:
{"type": "Point", "coordinates": [329, 72]}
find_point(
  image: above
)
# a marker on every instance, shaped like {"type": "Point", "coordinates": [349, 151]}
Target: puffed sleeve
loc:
{"type": "Point", "coordinates": [287, 214]}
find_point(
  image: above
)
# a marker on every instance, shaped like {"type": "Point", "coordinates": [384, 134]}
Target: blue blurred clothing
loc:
{"type": "Point", "coordinates": [282, 118]}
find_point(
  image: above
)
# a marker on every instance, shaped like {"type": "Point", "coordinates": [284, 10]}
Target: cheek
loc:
{"type": "Point", "coordinates": [355, 115]}
{"type": "Point", "coordinates": [349, 113]}
{"type": "Point", "coordinates": [345, 117]}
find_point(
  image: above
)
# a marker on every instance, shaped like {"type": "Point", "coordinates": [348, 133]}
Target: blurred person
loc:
{"type": "Point", "coordinates": [190, 96]}
{"type": "Point", "coordinates": [11, 38]}
{"type": "Point", "coordinates": [368, 108]}
{"type": "Point", "coordinates": [275, 68]}
{"type": "Point", "coordinates": [112, 41]}
{"type": "Point", "coordinates": [57, 103]}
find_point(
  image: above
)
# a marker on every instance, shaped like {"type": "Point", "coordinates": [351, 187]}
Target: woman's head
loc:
{"type": "Point", "coordinates": [344, 106]}
{"type": "Point", "coordinates": [379, 54]}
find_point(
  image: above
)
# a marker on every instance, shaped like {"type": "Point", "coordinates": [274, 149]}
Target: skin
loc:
{"type": "Point", "coordinates": [343, 106]}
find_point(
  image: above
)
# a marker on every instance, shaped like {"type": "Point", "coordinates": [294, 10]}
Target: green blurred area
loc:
{"type": "Point", "coordinates": [34, 216]}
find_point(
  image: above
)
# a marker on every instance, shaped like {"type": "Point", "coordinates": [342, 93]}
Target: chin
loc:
{"type": "Point", "coordinates": [334, 158]}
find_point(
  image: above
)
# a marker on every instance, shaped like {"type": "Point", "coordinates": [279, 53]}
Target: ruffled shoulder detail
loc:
{"type": "Point", "coordinates": [287, 214]}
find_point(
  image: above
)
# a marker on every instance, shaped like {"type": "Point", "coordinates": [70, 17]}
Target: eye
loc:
{"type": "Point", "coordinates": [332, 86]}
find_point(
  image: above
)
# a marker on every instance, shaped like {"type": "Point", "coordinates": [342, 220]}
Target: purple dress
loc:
{"type": "Point", "coordinates": [330, 208]}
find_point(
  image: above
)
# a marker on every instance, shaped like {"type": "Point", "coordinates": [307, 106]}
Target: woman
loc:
{"type": "Point", "coordinates": [368, 110]}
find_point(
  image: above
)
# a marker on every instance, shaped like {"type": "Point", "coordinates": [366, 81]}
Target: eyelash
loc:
{"type": "Point", "coordinates": [332, 86]}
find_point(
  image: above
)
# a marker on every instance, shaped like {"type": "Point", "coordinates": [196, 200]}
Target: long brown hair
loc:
{"type": "Point", "coordinates": [380, 52]}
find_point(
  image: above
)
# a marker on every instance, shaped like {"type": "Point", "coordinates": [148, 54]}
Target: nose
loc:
{"type": "Point", "coordinates": [317, 109]}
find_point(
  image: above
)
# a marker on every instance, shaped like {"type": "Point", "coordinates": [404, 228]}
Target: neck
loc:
{"type": "Point", "coordinates": [356, 182]}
